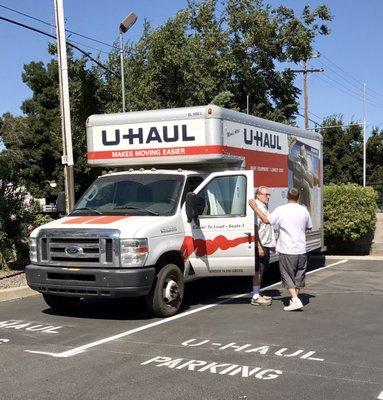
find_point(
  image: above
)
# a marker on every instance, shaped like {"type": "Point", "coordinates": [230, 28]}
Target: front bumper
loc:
{"type": "Point", "coordinates": [90, 282]}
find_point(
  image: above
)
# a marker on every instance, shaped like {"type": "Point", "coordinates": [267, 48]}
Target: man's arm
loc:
{"type": "Point", "coordinates": [261, 215]}
{"type": "Point", "coordinates": [309, 224]}
{"type": "Point", "coordinates": [261, 251]}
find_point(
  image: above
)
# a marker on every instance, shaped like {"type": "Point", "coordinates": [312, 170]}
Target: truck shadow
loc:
{"type": "Point", "coordinates": [208, 290]}
{"type": "Point", "coordinates": [108, 309]}
{"type": "Point", "coordinates": [201, 292]}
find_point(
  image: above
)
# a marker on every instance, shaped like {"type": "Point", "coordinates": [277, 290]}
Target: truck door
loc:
{"type": "Point", "coordinates": [224, 241]}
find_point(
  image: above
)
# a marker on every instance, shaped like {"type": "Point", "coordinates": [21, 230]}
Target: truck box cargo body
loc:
{"type": "Point", "coordinates": [180, 210]}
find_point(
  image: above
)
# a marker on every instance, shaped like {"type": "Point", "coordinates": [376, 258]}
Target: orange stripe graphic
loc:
{"type": "Point", "coordinates": [108, 219]}
{"type": "Point", "coordinates": [154, 152]}
{"type": "Point", "coordinates": [79, 220]}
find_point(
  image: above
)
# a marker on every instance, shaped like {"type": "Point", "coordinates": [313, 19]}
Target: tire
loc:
{"type": "Point", "coordinates": [61, 303]}
{"type": "Point", "coordinates": [166, 295]}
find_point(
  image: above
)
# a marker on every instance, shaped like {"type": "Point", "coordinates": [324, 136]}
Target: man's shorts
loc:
{"type": "Point", "coordinates": [293, 270]}
{"type": "Point", "coordinates": [263, 262]}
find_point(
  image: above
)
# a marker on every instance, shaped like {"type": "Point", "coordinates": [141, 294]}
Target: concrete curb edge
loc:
{"type": "Point", "coordinates": [16, 293]}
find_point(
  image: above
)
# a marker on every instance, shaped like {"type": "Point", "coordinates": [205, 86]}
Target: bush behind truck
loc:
{"type": "Point", "coordinates": [145, 231]}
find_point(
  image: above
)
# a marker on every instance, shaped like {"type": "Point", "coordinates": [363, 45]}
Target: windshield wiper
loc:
{"type": "Point", "coordinates": [87, 209]}
{"type": "Point", "coordinates": [135, 208]}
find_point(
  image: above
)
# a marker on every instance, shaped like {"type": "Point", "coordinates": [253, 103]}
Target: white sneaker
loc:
{"type": "Point", "coordinates": [294, 305]}
{"type": "Point", "coordinates": [260, 301]}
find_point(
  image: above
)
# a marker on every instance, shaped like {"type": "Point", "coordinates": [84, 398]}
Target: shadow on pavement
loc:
{"type": "Point", "coordinates": [201, 292]}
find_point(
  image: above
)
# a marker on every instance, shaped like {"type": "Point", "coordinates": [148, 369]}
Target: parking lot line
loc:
{"type": "Point", "coordinates": [83, 348]}
{"type": "Point", "coordinates": [380, 397]}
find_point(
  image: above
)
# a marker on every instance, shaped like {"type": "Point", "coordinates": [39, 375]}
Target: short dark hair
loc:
{"type": "Point", "coordinates": [293, 194]}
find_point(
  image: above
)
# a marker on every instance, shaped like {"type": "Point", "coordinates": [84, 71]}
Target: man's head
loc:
{"type": "Point", "coordinates": [263, 194]}
{"type": "Point", "coordinates": [293, 195]}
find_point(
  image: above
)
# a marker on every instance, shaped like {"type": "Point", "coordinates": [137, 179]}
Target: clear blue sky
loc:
{"type": "Point", "coordinates": [351, 55]}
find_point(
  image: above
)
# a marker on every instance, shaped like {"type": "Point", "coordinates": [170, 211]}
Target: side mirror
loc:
{"type": "Point", "coordinates": [61, 203]}
{"type": "Point", "coordinates": [191, 207]}
{"type": "Point", "coordinates": [194, 206]}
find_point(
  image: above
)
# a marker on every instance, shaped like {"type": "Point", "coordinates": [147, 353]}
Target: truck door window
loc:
{"type": "Point", "coordinates": [225, 196]}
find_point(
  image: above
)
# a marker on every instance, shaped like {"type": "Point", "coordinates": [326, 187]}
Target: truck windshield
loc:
{"type": "Point", "coordinates": [144, 194]}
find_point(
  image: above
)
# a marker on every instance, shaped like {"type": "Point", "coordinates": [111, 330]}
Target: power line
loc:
{"type": "Point", "coordinates": [54, 37]}
{"type": "Point", "coordinates": [53, 26]}
{"type": "Point", "coordinates": [311, 120]}
{"type": "Point", "coordinates": [335, 126]}
{"type": "Point", "coordinates": [373, 98]}
{"type": "Point", "coordinates": [346, 90]}
{"type": "Point", "coordinates": [349, 75]}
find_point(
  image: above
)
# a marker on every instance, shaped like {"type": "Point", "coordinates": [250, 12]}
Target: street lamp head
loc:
{"type": "Point", "coordinates": [128, 22]}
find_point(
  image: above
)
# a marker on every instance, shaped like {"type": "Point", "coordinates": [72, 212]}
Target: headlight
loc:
{"type": "Point", "coordinates": [134, 252]}
{"type": "Point", "coordinates": [32, 250]}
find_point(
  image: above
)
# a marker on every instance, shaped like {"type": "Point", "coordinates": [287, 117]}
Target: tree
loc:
{"type": "Point", "coordinates": [34, 143]}
{"type": "Point", "coordinates": [342, 151]}
{"type": "Point", "coordinates": [203, 51]}
{"type": "Point", "coordinates": [374, 172]}
{"type": "Point", "coordinates": [203, 54]}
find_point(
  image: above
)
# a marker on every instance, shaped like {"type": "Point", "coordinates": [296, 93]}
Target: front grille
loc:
{"type": "Point", "coordinates": [91, 249]}
{"type": "Point", "coordinates": [79, 248]}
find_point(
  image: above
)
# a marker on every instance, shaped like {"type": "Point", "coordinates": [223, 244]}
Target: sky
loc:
{"type": "Point", "coordinates": [351, 55]}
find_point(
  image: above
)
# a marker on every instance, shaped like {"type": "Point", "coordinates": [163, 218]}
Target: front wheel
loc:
{"type": "Point", "coordinates": [61, 303]}
{"type": "Point", "coordinates": [166, 295]}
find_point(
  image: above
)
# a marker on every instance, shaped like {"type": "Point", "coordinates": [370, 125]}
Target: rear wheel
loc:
{"type": "Point", "coordinates": [166, 295]}
{"type": "Point", "coordinates": [61, 303]}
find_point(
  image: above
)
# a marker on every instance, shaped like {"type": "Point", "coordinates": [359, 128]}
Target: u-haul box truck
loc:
{"type": "Point", "coordinates": [178, 211]}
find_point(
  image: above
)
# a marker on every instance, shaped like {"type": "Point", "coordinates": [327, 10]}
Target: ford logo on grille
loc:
{"type": "Point", "coordinates": [74, 251]}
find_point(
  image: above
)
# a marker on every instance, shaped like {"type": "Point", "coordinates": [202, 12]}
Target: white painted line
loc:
{"type": "Point", "coordinates": [327, 266]}
{"type": "Point", "coordinates": [81, 349]}
{"type": "Point", "coordinates": [380, 397]}
{"type": "Point", "coordinates": [308, 273]}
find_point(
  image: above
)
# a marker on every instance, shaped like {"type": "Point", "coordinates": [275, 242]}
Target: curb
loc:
{"type": "Point", "coordinates": [16, 293]}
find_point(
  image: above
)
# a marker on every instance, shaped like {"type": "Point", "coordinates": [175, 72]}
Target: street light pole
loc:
{"type": "Point", "coordinates": [126, 24]}
{"type": "Point", "coordinates": [364, 134]}
{"type": "Point", "coordinates": [67, 158]}
{"type": "Point", "coordinates": [122, 70]}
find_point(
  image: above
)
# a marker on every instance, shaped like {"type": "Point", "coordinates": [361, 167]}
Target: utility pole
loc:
{"type": "Point", "coordinates": [305, 71]}
{"type": "Point", "coordinates": [67, 158]}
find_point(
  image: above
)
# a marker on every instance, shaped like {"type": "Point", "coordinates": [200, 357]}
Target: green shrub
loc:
{"type": "Point", "coordinates": [17, 219]}
{"type": "Point", "coordinates": [349, 218]}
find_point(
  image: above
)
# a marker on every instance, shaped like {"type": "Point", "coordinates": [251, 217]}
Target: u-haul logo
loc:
{"type": "Point", "coordinates": [254, 138]}
{"type": "Point", "coordinates": [141, 135]}
{"type": "Point", "coordinates": [261, 139]}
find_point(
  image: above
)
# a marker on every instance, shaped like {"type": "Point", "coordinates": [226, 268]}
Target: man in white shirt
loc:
{"type": "Point", "coordinates": [293, 220]}
{"type": "Point", "coordinates": [265, 242]}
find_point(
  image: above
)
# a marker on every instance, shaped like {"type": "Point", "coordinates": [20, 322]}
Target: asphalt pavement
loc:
{"type": "Point", "coordinates": [218, 347]}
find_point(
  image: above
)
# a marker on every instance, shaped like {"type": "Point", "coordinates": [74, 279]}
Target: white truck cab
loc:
{"type": "Point", "coordinates": [180, 209]}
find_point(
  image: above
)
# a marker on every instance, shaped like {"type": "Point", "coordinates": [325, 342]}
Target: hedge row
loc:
{"type": "Point", "coordinates": [349, 218]}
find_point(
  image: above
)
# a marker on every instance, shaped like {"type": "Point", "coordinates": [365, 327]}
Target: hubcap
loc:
{"type": "Point", "coordinates": [170, 290]}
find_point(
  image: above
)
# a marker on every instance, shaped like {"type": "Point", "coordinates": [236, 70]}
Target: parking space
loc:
{"type": "Point", "coordinates": [219, 347]}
